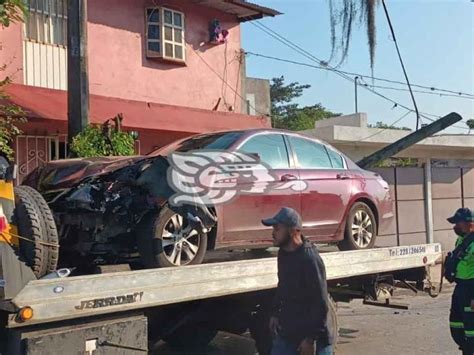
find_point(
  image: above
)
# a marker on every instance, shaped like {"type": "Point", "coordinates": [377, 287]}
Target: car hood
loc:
{"type": "Point", "coordinates": [61, 174]}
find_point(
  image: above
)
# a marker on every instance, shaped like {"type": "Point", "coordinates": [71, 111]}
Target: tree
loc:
{"type": "Point", "coordinates": [384, 125]}
{"type": "Point", "coordinates": [345, 14]}
{"type": "Point", "coordinates": [11, 11]}
{"type": "Point", "coordinates": [287, 114]}
{"type": "Point", "coordinates": [10, 115]}
{"type": "Point", "coordinates": [470, 124]}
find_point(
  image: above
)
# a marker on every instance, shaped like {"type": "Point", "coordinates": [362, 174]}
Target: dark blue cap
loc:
{"type": "Point", "coordinates": [462, 215]}
{"type": "Point", "coordinates": [286, 216]}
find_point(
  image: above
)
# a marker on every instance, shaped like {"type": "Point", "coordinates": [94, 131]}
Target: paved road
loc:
{"type": "Point", "coordinates": [423, 329]}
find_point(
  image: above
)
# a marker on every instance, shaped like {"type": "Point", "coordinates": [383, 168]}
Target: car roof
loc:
{"type": "Point", "coordinates": [252, 131]}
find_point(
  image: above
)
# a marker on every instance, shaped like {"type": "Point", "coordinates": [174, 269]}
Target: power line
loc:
{"type": "Point", "coordinates": [227, 84]}
{"type": "Point", "coordinates": [418, 91]}
{"type": "Point", "coordinates": [388, 127]}
{"type": "Point", "coordinates": [395, 103]}
{"type": "Point", "coordinates": [325, 66]}
{"type": "Point", "coordinates": [402, 64]}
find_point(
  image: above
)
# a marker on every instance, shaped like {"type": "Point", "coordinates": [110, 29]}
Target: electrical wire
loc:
{"type": "Point", "coordinates": [388, 127]}
{"type": "Point", "coordinates": [226, 83]}
{"type": "Point", "coordinates": [419, 91]}
{"type": "Point", "coordinates": [401, 63]}
{"type": "Point", "coordinates": [395, 103]}
{"type": "Point", "coordinates": [324, 65]}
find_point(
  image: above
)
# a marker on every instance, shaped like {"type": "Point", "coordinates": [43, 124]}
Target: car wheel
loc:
{"type": "Point", "coordinates": [36, 224]}
{"type": "Point", "coordinates": [165, 240]}
{"type": "Point", "coordinates": [361, 228]}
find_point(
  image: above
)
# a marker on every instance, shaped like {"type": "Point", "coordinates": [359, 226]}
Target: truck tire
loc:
{"type": "Point", "coordinates": [190, 337]}
{"type": "Point", "coordinates": [361, 228]}
{"type": "Point", "coordinates": [156, 245]}
{"type": "Point", "coordinates": [36, 223]}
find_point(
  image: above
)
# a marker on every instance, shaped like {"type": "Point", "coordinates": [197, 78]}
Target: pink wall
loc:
{"type": "Point", "coordinates": [11, 52]}
{"type": "Point", "coordinates": [118, 66]}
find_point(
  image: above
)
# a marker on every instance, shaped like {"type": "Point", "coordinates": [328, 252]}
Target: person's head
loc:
{"type": "Point", "coordinates": [287, 225]}
{"type": "Point", "coordinates": [463, 221]}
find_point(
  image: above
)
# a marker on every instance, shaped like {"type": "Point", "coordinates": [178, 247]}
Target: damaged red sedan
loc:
{"type": "Point", "coordinates": [116, 210]}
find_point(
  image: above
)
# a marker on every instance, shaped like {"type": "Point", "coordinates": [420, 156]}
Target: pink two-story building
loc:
{"type": "Point", "coordinates": [153, 61]}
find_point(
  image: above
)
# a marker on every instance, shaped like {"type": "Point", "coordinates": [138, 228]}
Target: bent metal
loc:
{"type": "Point", "coordinates": [110, 301]}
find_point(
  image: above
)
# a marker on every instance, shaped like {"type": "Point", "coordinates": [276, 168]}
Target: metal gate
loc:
{"type": "Point", "coordinates": [34, 151]}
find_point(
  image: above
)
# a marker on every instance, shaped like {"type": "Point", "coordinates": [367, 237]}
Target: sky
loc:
{"type": "Point", "coordinates": [436, 40]}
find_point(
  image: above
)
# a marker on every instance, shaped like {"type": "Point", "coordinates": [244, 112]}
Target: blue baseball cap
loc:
{"type": "Point", "coordinates": [286, 216]}
{"type": "Point", "coordinates": [462, 215]}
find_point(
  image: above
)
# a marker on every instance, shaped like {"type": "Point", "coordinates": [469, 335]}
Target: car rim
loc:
{"type": "Point", "coordinates": [362, 229]}
{"type": "Point", "coordinates": [180, 245]}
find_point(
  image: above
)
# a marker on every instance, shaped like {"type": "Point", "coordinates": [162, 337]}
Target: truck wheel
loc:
{"type": "Point", "coordinates": [161, 242]}
{"type": "Point", "coordinates": [190, 337]}
{"type": "Point", "coordinates": [36, 223]}
{"type": "Point", "coordinates": [361, 228]}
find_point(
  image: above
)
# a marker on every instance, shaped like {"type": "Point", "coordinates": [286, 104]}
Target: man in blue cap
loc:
{"type": "Point", "coordinates": [299, 320]}
{"type": "Point", "coordinates": [460, 268]}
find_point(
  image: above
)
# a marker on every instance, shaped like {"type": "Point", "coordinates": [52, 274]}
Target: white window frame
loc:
{"type": "Point", "coordinates": [162, 40]}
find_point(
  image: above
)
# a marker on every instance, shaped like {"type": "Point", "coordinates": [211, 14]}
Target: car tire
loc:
{"type": "Point", "coordinates": [35, 222]}
{"type": "Point", "coordinates": [361, 228]}
{"type": "Point", "coordinates": [156, 251]}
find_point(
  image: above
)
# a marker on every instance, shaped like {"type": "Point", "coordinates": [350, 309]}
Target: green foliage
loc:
{"type": "Point", "coordinates": [288, 115]}
{"type": "Point", "coordinates": [397, 162]}
{"type": "Point", "coordinates": [383, 125]}
{"type": "Point", "coordinates": [94, 142]}
{"type": "Point", "coordinates": [10, 115]}
{"type": "Point", "coordinates": [11, 11]}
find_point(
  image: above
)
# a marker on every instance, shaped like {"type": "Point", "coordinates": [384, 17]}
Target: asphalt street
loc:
{"type": "Point", "coordinates": [422, 329]}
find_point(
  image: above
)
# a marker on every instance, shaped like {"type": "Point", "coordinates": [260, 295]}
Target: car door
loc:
{"type": "Point", "coordinates": [242, 217]}
{"type": "Point", "coordinates": [324, 201]}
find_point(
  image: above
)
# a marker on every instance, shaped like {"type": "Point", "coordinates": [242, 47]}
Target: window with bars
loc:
{"type": "Point", "coordinates": [46, 21]}
{"type": "Point", "coordinates": [165, 34]}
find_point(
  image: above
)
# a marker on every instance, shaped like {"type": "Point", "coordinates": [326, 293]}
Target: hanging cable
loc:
{"type": "Point", "coordinates": [324, 65]}
{"type": "Point", "coordinates": [401, 63]}
{"type": "Point", "coordinates": [391, 126]}
{"type": "Point", "coordinates": [395, 103]}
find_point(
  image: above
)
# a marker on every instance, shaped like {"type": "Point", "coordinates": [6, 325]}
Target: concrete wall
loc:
{"type": "Point", "coordinates": [260, 89]}
{"type": "Point", "coordinates": [118, 66]}
{"type": "Point", "coordinates": [452, 188]}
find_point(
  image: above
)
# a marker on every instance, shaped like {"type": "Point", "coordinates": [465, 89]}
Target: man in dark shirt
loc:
{"type": "Point", "coordinates": [299, 321]}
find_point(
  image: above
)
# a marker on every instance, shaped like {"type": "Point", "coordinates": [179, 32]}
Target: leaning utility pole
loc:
{"type": "Point", "coordinates": [77, 72]}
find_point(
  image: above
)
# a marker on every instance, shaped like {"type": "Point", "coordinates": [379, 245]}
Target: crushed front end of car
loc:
{"type": "Point", "coordinates": [99, 204]}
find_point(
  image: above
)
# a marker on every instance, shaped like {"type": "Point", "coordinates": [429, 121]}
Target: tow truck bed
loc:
{"type": "Point", "coordinates": [85, 296]}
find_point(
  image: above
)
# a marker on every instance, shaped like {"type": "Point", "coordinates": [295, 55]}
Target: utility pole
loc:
{"type": "Point", "coordinates": [355, 93]}
{"type": "Point", "coordinates": [77, 72]}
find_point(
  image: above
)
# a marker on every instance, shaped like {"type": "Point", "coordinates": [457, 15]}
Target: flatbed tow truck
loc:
{"type": "Point", "coordinates": [127, 311]}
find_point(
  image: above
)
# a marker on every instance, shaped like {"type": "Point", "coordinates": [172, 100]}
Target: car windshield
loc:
{"type": "Point", "coordinates": [221, 140]}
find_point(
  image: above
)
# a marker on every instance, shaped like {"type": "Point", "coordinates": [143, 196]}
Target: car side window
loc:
{"type": "Point", "coordinates": [336, 159]}
{"type": "Point", "coordinates": [310, 154]}
{"type": "Point", "coordinates": [270, 148]}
